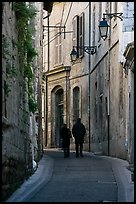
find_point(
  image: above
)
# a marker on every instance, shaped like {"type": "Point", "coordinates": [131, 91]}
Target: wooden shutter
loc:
{"type": "Point", "coordinates": [75, 31]}
{"type": "Point", "coordinates": [60, 50]}
{"type": "Point", "coordinates": [81, 34]}
{"type": "Point", "coordinates": [58, 47]}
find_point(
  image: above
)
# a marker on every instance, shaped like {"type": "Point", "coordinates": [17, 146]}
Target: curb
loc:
{"type": "Point", "coordinates": [123, 179]}
{"type": "Point", "coordinates": [35, 182]}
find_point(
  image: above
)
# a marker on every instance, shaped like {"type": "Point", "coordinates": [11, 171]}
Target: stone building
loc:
{"type": "Point", "coordinates": [36, 117]}
{"type": "Point", "coordinates": [128, 66]}
{"type": "Point", "coordinates": [18, 126]}
{"type": "Point", "coordinates": [63, 82]}
{"type": "Point", "coordinates": [100, 98]}
{"type": "Point", "coordinates": [109, 97]}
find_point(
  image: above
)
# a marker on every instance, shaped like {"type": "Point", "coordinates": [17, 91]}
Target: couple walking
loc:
{"type": "Point", "coordinates": [78, 132]}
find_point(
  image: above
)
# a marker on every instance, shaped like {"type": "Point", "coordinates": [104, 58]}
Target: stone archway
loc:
{"type": "Point", "coordinates": [57, 107]}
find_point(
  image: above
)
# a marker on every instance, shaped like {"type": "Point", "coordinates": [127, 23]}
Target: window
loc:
{"type": "Point", "coordinates": [75, 104]}
{"type": "Point", "coordinates": [81, 34]}
{"type": "Point", "coordinates": [58, 46]}
{"type": "Point", "coordinates": [75, 30]}
{"type": "Point", "coordinates": [78, 33]}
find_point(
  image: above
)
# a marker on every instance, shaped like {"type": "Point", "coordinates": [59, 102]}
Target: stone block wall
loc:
{"type": "Point", "coordinates": [16, 151]}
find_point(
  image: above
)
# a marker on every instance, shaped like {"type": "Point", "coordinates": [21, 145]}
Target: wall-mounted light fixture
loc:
{"type": "Point", "coordinates": [103, 26]}
{"type": "Point", "coordinates": [91, 50]}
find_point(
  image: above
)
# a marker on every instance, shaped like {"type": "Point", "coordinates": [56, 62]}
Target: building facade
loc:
{"type": "Point", "coordinates": [128, 66]}
{"type": "Point", "coordinates": [109, 95]}
{"type": "Point", "coordinates": [36, 117]}
{"type": "Point", "coordinates": [100, 97]}
{"type": "Point", "coordinates": [62, 82]}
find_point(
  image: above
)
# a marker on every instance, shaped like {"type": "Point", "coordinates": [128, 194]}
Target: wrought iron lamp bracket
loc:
{"type": "Point", "coordinates": [111, 15]}
{"type": "Point", "coordinates": [88, 49]}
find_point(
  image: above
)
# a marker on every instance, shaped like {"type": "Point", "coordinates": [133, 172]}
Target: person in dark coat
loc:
{"type": "Point", "coordinates": [66, 135]}
{"type": "Point", "coordinates": [78, 132]}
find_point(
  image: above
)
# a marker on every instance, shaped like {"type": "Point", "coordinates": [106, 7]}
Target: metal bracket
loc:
{"type": "Point", "coordinates": [88, 49]}
{"type": "Point", "coordinates": [111, 15]}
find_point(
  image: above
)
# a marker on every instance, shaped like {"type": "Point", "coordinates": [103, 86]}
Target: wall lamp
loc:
{"type": "Point", "coordinates": [91, 50]}
{"type": "Point", "coordinates": [103, 26]}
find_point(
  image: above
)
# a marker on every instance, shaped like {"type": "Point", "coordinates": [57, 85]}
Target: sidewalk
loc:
{"type": "Point", "coordinates": [44, 173]}
{"type": "Point", "coordinates": [35, 182]}
{"type": "Point", "coordinates": [123, 178]}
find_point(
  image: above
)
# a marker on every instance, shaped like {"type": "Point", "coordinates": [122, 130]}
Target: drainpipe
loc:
{"type": "Point", "coordinates": [46, 125]}
{"type": "Point", "coordinates": [48, 43]}
{"type": "Point", "coordinates": [109, 43]}
{"type": "Point", "coordinates": [89, 61]}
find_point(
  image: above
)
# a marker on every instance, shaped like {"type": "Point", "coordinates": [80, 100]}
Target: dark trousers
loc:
{"type": "Point", "coordinates": [77, 149]}
{"type": "Point", "coordinates": [66, 151]}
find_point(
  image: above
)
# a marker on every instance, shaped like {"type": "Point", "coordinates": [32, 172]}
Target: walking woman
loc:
{"type": "Point", "coordinates": [66, 135]}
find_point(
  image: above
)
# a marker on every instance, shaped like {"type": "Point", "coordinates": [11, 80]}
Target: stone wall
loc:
{"type": "Point", "coordinates": [16, 151]}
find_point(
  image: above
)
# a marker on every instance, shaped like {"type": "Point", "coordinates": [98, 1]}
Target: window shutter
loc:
{"type": "Point", "coordinates": [81, 34]}
{"type": "Point", "coordinates": [60, 50]}
{"type": "Point", "coordinates": [75, 31]}
{"type": "Point", "coordinates": [58, 47]}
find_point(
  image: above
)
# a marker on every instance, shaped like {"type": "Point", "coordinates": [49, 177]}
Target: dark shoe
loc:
{"type": "Point", "coordinates": [68, 155]}
{"type": "Point", "coordinates": [77, 155]}
{"type": "Point", "coordinates": [81, 155]}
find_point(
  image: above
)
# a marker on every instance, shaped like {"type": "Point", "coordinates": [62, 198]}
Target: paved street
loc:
{"type": "Point", "coordinates": [88, 179]}
{"type": "Point", "coordinates": [93, 178]}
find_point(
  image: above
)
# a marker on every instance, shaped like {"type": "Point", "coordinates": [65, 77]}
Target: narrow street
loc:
{"type": "Point", "coordinates": [67, 80]}
{"type": "Point", "coordinates": [87, 179]}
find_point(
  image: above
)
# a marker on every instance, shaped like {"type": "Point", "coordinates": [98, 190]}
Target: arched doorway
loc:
{"type": "Point", "coordinates": [75, 104]}
{"type": "Point", "coordinates": [57, 113]}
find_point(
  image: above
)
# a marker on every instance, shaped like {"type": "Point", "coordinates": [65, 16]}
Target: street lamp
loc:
{"type": "Point", "coordinates": [91, 50]}
{"type": "Point", "coordinates": [103, 26]}
{"type": "Point", "coordinates": [73, 55]}
{"type": "Point", "coordinates": [103, 29]}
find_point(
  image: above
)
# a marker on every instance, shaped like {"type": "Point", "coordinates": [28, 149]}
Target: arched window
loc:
{"type": "Point", "coordinates": [75, 104]}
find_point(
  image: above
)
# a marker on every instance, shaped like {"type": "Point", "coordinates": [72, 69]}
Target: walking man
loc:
{"type": "Point", "coordinates": [78, 132]}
